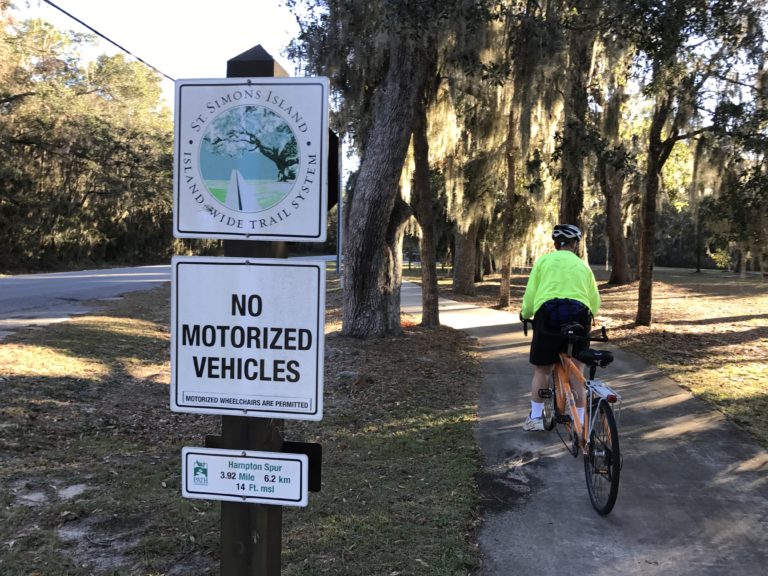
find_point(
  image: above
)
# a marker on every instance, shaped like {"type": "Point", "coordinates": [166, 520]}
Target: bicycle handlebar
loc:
{"type": "Point", "coordinates": [603, 337]}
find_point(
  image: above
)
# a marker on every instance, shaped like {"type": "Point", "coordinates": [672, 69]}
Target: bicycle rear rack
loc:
{"type": "Point", "coordinates": [602, 390]}
{"type": "Point", "coordinates": [599, 390]}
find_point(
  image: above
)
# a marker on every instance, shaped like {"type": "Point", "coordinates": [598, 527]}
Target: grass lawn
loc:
{"type": "Point", "coordinates": [90, 454]}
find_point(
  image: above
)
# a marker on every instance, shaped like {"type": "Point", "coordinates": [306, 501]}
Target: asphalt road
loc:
{"type": "Point", "coordinates": [693, 498]}
{"type": "Point", "coordinates": [40, 299]}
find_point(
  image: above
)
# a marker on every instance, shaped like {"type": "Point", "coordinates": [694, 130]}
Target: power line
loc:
{"type": "Point", "coordinates": [108, 39]}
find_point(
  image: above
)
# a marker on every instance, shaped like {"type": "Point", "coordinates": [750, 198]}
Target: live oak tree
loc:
{"type": "Point", "coordinates": [85, 153]}
{"type": "Point", "coordinates": [423, 199]}
{"type": "Point", "coordinates": [378, 56]}
{"type": "Point", "coordinates": [459, 101]}
{"type": "Point", "coordinates": [473, 112]}
{"type": "Point", "coordinates": [580, 21]}
{"type": "Point", "coordinates": [614, 156]}
{"type": "Point", "coordinates": [737, 214]}
{"type": "Point", "coordinates": [533, 52]}
{"type": "Point", "coordinates": [686, 45]}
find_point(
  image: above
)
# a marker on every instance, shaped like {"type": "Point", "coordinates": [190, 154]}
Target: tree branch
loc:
{"type": "Point", "coordinates": [669, 143]}
{"type": "Point", "coordinates": [736, 82]}
{"type": "Point", "coordinates": [14, 97]}
{"type": "Point", "coordinates": [688, 135]}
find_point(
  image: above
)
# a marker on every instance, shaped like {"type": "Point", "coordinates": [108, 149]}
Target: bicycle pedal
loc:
{"type": "Point", "coordinates": [545, 393]}
{"type": "Point", "coordinates": [563, 419]}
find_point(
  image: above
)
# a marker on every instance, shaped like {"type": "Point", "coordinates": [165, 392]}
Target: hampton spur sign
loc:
{"type": "Point", "coordinates": [276, 478]}
{"type": "Point", "coordinates": [247, 337]}
{"type": "Point", "coordinates": [251, 159]}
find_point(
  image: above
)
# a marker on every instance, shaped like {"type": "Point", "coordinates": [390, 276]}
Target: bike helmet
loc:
{"type": "Point", "coordinates": [566, 233]}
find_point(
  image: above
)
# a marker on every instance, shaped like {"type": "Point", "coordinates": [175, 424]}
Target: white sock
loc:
{"type": "Point", "coordinates": [580, 412]}
{"type": "Point", "coordinates": [536, 409]}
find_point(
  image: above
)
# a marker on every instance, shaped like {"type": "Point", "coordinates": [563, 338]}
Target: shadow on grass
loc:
{"type": "Point", "coordinates": [399, 458]}
{"type": "Point", "coordinates": [699, 346]}
{"type": "Point", "coordinates": [718, 320]}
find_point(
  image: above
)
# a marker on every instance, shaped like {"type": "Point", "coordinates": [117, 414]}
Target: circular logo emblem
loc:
{"type": "Point", "coordinates": [249, 158]}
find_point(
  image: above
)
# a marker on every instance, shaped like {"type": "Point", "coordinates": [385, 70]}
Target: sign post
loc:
{"type": "Point", "coordinates": [251, 536]}
{"type": "Point", "coordinates": [251, 167]}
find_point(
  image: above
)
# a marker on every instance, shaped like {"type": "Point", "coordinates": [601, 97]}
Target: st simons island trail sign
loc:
{"type": "Point", "coordinates": [251, 159]}
{"type": "Point", "coordinates": [247, 337]}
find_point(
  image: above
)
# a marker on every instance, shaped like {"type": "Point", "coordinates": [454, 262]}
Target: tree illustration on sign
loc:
{"type": "Point", "coordinates": [236, 145]}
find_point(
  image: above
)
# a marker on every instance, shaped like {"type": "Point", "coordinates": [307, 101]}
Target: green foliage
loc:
{"type": "Point", "coordinates": [739, 215]}
{"type": "Point", "coordinates": [676, 175]}
{"type": "Point", "coordinates": [85, 154]}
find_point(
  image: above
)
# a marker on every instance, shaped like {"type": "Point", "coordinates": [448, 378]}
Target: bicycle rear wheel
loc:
{"type": "Point", "coordinates": [602, 461]}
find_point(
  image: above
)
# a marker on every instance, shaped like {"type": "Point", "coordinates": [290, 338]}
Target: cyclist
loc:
{"type": "Point", "coordinates": [560, 289]}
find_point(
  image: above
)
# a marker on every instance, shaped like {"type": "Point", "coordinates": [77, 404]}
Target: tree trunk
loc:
{"type": "Point", "coordinates": [617, 247]}
{"type": "Point", "coordinates": [479, 256]}
{"type": "Point", "coordinates": [423, 204]}
{"type": "Point", "coordinates": [505, 282]}
{"type": "Point", "coordinates": [370, 284]}
{"type": "Point", "coordinates": [507, 218]}
{"type": "Point", "coordinates": [393, 269]}
{"type": "Point", "coordinates": [611, 175]}
{"type": "Point", "coordinates": [581, 39]}
{"type": "Point", "coordinates": [611, 182]}
{"type": "Point", "coordinates": [695, 201]}
{"type": "Point", "coordinates": [744, 251]}
{"type": "Point", "coordinates": [464, 259]}
{"type": "Point", "coordinates": [647, 245]}
{"type": "Point", "coordinates": [658, 152]}
{"type": "Point", "coordinates": [489, 264]}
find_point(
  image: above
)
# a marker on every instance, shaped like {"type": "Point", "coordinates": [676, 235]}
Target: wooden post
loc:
{"type": "Point", "coordinates": [251, 534]}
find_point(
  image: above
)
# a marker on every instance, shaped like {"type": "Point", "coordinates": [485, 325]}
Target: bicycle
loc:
{"type": "Point", "coordinates": [597, 438]}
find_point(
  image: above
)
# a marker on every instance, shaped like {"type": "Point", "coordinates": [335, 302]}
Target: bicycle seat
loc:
{"type": "Point", "coordinates": [592, 357]}
{"type": "Point", "coordinates": [572, 328]}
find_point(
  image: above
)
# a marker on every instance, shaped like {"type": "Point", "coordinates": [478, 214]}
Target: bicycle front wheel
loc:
{"type": "Point", "coordinates": [602, 460]}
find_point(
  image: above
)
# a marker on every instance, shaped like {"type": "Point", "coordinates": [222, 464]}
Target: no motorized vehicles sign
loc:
{"type": "Point", "coordinates": [247, 337]}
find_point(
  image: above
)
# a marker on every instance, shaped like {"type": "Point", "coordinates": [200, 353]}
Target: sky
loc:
{"type": "Point", "coordinates": [183, 39]}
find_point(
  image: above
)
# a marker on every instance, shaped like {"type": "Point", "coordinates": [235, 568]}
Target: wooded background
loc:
{"type": "Point", "coordinates": [85, 153]}
{"type": "Point", "coordinates": [478, 124]}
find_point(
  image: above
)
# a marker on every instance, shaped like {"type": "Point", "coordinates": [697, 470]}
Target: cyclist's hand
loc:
{"type": "Point", "coordinates": [525, 322]}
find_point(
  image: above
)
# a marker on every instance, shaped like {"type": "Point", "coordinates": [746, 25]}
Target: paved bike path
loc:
{"type": "Point", "coordinates": [693, 497]}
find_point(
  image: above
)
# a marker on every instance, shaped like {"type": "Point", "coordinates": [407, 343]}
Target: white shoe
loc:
{"type": "Point", "coordinates": [533, 424]}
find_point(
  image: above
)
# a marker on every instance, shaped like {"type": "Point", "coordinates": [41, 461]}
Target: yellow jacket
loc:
{"type": "Point", "coordinates": [560, 274]}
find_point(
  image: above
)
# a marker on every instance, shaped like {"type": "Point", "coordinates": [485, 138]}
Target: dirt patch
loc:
{"type": "Point", "coordinates": [502, 487]}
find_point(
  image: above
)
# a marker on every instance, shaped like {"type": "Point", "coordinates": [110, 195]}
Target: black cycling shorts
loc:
{"type": "Point", "coordinates": [547, 343]}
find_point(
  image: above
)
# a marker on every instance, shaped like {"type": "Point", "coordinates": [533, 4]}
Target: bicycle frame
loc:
{"type": "Point", "coordinates": [595, 391]}
{"type": "Point", "coordinates": [565, 368]}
